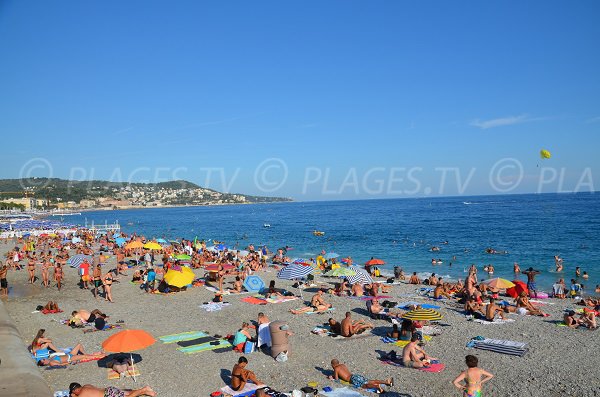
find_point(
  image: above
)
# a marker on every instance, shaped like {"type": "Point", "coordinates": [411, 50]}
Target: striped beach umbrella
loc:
{"type": "Point", "coordinates": [498, 283]}
{"type": "Point", "coordinates": [331, 255]}
{"type": "Point", "coordinates": [77, 260]}
{"type": "Point", "coordinates": [423, 315]}
{"type": "Point", "coordinates": [293, 271]}
{"type": "Point", "coordinates": [361, 276]}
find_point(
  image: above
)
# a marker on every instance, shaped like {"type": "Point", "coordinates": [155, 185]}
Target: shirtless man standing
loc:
{"type": "Point", "coordinates": [340, 371]}
{"type": "Point", "coordinates": [240, 375]}
{"type": "Point", "coordinates": [531, 281]}
{"type": "Point", "coordinates": [349, 327]}
{"type": "Point", "coordinates": [413, 356]}
{"type": "Point", "coordinates": [75, 389]}
{"type": "Point", "coordinates": [3, 282]}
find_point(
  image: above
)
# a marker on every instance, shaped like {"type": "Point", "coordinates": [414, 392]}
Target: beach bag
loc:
{"type": "Point", "coordinates": [249, 347]}
{"type": "Point", "coordinates": [281, 357]}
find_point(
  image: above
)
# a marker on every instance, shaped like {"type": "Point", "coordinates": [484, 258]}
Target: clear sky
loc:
{"type": "Point", "coordinates": [309, 99]}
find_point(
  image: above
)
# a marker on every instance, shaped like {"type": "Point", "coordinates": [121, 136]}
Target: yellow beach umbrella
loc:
{"type": "Point", "coordinates": [180, 278]}
{"type": "Point", "coordinates": [153, 246]}
{"type": "Point", "coordinates": [423, 315]}
{"type": "Point", "coordinates": [133, 245]}
{"type": "Point", "coordinates": [498, 283]}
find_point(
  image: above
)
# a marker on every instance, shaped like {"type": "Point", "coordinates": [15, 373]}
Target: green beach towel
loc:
{"type": "Point", "coordinates": [184, 336]}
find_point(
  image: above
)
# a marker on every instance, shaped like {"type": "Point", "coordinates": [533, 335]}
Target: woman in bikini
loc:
{"type": "Point", "coordinates": [107, 281]}
{"type": "Point", "coordinates": [473, 378]}
{"type": "Point", "coordinates": [73, 357]}
{"type": "Point", "coordinates": [42, 343]}
{"type": "Point", "coordinates": [58, 275]}
{"type": "Point", "coordinates": [31, 269]}
{"type": "Point", "coordinates": [46, 273]}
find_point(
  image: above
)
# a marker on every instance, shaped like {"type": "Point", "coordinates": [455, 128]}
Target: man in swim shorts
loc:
{"type": "Point", "coordinates": [340, 371]}
{"type": "Point", "coordinates": [413, 356]}
{"type": "Point", "coordinates": [531, 286]}
{"type": "Point", "coordinates": [75, 389]}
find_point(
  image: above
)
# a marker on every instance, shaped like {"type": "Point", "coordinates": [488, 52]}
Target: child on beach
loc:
{"type": "Point", "coordinates": [473, 378]}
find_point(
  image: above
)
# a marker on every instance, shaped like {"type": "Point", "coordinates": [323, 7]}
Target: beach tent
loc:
{"type": "Point", "coordinates": [254, 284]}
{"type": "Point", "coordinates": [519, 287]}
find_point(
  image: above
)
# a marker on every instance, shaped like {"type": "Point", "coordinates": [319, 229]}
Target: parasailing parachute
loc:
{"type": "Point", "coordinates": [544, 154]}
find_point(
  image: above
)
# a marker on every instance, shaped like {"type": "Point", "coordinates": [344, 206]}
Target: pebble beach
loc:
{"type": "Point", "coordinates": [560, 361]}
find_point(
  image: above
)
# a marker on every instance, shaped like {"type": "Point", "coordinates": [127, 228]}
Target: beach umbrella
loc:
{"type": "Point", "coordinates": [76, 240]}
{"type": "Point", "coordinates": [294, 271]}
{"type": "Point", "coordinates": [215, 266]}
{"type": "Point", "coordinates": [374, 262]}
{"type": "Point", "coordinates": [133, 245]}
{"type": "Point", "coordinates": [340, 272]}
{"type": "Point", "coordinates": [77, 260]}
{"type": "Point", "coordinates": [161, 241]}
{"type": "Point", "coordinates": [254, 284]}
{"type": "Point", "coordinates": [120, 241]}
{"type": "Point", "coordinates": [183, 257]}
{"type": "Point", "coordinates": [498, 283]}
{"type": "Point", "coordinates": [153, 246]}
{"type": "Point", "coordinates": [221, 247]}
{"type": "Point", "coordinates": [361, 276]}
{"type": "Point", "coordinates": [423, 315]}
{"type": "Point", "coordinates": [179, 278]}
{"type": "Point", "coordinates": [116, 235]}
{"type": "Point", "coordinates": [128, 341]}
{"type": "Point", "coordinates": [331, 255]}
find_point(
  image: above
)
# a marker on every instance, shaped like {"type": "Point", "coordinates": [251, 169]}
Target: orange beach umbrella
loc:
{"type": "Point", "coordinates": [374, 262]}
{"type": "Point", "coordinates": [127, 341]}
{"type": "Point", "coordinates": [134, 245]}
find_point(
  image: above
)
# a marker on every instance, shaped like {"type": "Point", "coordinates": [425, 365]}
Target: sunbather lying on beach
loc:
{"type": "Point", "coordinates": [317, 305]}
{"type": "Point", "coordinates": [75, 389]}
{"type": "Point", "coordinates": [73, 357]}
{"type": "Point", "coordinates": [340, 371]}
{"type": "Point", "coordinates": [522, 301]}
{"type": "Point", "coordinates": [349, 327]}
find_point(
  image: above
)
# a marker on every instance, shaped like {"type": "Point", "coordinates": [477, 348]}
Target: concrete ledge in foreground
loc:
{"type": "Point", "coordinates": [19, 376]}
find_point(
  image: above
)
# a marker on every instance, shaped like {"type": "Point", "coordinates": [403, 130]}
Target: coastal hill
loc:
{"type": "Point", "coordinates": [61, 193]}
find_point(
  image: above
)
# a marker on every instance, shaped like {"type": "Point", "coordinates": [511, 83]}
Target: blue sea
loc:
{"type": "Point", "coordinates": [532, 228]}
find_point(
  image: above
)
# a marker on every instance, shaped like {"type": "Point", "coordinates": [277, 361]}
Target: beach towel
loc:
{"type": "Point", "coordinates": [222, 344]}
{"type": "Point", "coordinates": [248, 390]}
{"type": "Point", "coordinates": [107, 327]}
{"type": "Point", "coordinates": [365, 334]}
{"type": "Point", "coordinates": [322, 330]}
{"type": "Point", "coordinates": [437, 367]}
{"type": "Point", "coordinates": [214, 306]}
{"type": "Point", "coordinates": [254, 300]}
{"type": "Point", "coordinates": [184, 336]}
{"type": "Point", "coordinates": [45, 311]}
{"type": "Point", "coordinates": [370, 298]}
{"type": "Point", "coordinates": [281, 299]}
{"type": "Point", "coordinates": [112, 374]}
{"type": "Point", "coordinates": [342, 392]}
{"type": "Point", "coordinates": [198, 341]}
{"type": "Point", "coordinates": [402, 343]}
{"type": "Point", "coordinates": [496, 321]}
{"type": "Point", "coordinates": [500, 346]}
{"type": "Point", "coordinates": [330, 310]}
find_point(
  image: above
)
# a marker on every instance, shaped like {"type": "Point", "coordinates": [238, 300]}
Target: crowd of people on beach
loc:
{"type": "Point", "coordinates": [148, 267]}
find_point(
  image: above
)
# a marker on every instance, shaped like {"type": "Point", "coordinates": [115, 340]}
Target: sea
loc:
{"type": "Point", "coordinates": [530, 228]}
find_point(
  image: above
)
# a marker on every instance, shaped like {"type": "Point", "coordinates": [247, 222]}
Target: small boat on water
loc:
{"type": "Point", "coordinates": [266, 225]}
{"type": "Point", "coordinates": [318, 233]}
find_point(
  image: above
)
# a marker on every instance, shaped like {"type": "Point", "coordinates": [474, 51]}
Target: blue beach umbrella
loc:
{"type": "Point", "coordinates": [331, 255]}
{"type": "Point", "coordinates": [161, 241]}
{"type": "Point", "coordinates": [221, 247]}
{"type": "Point", "coordinates": [293, 271]}
{"type": "Point", "coordinates": [361, 276]}
{"type": "Point", "coordinates": [77, 260]}
{"type": "Point", "coordinates": [254, 284]}
{"type": "Point", "coordinates": [120, 241]}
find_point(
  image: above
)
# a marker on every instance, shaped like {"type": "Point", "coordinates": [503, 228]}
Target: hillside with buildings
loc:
{"type": "Point", "coordinates": [45, 193]}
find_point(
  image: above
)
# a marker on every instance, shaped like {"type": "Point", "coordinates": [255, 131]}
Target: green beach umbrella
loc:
{"type": "Point", "coordinates": [182, 257]}
{"type": "Point", "coordinates": [340, 272]}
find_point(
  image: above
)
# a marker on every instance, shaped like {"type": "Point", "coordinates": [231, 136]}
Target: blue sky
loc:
{"type": "Point", "coordinates": [314, 100]}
